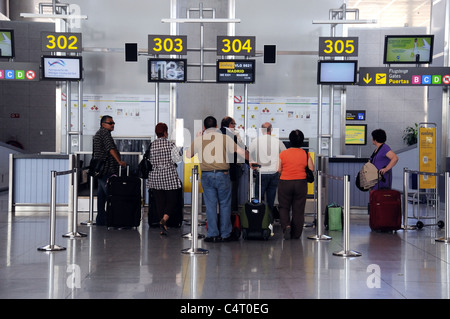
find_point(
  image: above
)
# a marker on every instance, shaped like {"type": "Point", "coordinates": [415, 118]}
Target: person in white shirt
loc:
{"type": "Point", "coordinates": [265, 150]}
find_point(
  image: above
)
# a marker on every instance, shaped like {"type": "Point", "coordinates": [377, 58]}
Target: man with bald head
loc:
{"type": "Point", "coordinates": [265, 150]}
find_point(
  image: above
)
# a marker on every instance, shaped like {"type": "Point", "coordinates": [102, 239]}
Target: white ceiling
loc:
{"type": "Point", "coordinates": [394, 13]}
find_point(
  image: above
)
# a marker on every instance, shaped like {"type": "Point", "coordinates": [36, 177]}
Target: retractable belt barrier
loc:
{"type": "Point", "coordinates": [194, 250]}
{"type": "Point", "coordinates": [74, 233]}
{"type": "Point", "coordinates": [346, 252]}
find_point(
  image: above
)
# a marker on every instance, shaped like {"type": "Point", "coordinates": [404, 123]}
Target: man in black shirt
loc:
{"type": "Point", "coordinates": [105, 149]}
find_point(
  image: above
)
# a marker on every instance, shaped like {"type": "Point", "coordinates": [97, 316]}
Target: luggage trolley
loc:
{"type": "Point", "coordinates": [427, 185]}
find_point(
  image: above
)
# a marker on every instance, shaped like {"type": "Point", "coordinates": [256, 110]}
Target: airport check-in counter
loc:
{"type": "Point", "coordinates": [340, 166]}
{"type": "Point", "coordinates": [30, 178]}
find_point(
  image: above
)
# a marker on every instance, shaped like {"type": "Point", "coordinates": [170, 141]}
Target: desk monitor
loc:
{"type": "Point", "coordinates": [355, 134]}
{"type": "Point", "coordinates": [62, 68]}
{"type": "Point", "coordinates": [337, 72]}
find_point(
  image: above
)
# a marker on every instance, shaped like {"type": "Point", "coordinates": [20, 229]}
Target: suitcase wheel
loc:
{"type": "Point", "coordinates": [419, 224]}
{"type": "Point", "coordinates": [244, 233]}
{"type": "Point", "coordinates": [440, 224]}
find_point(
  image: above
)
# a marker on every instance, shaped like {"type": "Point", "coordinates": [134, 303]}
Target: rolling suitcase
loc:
{"type": "Point", "coordinates": [124, 202]}
{"type": "Point", "coordinates": [385, 210]}
{"type": "Point", "coordinates": [255, 215]}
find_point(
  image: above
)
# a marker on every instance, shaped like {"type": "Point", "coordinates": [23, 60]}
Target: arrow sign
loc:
{"type": "Point", "coordinates": [367, 79]}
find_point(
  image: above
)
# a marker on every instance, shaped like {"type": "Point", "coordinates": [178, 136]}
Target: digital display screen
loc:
{"type": "Point", "coordinates": [412, 49]}
{"type": "Point", "coordinates": [355, 134]}
{"type": "Point", "coordinates": [167, 70]}
{"type": "Point", "coordinates": [61, 68]}
{"type": "Point", "coordinates": [235, 71]}
{"type": "Point", "coordinates": [6, 43]}
{"type": "Point", "coordinates": [335, 72]}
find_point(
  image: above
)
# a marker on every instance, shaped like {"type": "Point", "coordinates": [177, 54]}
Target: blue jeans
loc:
{"type": "Point", "coordinates": [102, 195]}
{"type": "Point", "coordinates": [269, 186]}
{"type": "Point", "coordinates": [217, 189]}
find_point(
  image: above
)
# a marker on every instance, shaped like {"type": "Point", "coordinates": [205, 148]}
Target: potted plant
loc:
{"type": "Point", "coordinates": [410, 135]}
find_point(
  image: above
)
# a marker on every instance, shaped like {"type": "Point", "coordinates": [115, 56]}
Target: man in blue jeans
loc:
{"type": "Point", "coordinates": [215, 152]}
{"type": "Point", "coordinates": [266, 149]}
{"type": "Point", "coordinates": [105, 149]}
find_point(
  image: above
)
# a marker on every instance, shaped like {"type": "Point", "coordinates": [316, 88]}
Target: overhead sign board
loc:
{"type": "Point", "coordinates": [236, 45]}
{"type": "Point", "coordinates": [61, 42]}
{"type": "Point", "coordinates": [338, 46]}
{"type": "Point", "coordinates": [355, 115]}
{"type": "Point", "coordinates": [167, 44]}
{"type": "Point", "coordinates": [392, 76]}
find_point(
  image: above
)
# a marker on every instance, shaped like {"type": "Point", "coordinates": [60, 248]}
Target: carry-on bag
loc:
{"type": "Point", "coordinates": [124, 202]}
{"type": "Point", "coordinates": [255, 214]}
{"type": "Point", "coordinates": [333, 217]}
{"type": "Point", "coordinates": [385, 210]}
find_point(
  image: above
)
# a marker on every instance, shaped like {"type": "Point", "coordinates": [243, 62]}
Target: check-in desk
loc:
{"type": "Point", "coordinates": [340, 166]}
{"type": "Point", "coordinates": [30, 178]}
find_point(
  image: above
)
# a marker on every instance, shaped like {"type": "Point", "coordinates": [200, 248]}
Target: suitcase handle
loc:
{"type": "Point", "coordinates": [128, 170]}
{"type": "Point", "coordinates": [252, 192]}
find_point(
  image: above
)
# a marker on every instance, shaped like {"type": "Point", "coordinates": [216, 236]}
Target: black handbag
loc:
{"type": "Point", "coordinates": [145, 166]}
{"type": "Point", "coordinates": [96, 167]}
{"type": "Point", "coordinates": [309, 173]}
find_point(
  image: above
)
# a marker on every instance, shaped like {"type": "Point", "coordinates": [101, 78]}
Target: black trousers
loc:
{"type": "Point", "coordinates": [292, 197]}
{"type": "Point", "coordinates": [166, 201]}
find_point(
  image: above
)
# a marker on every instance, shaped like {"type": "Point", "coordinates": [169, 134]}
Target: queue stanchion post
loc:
{"type": "Point", "coordinates": [90, 221]}
{"type": "Point", "coordinates": [52, 246]}
{"type": "Point", "coordinates": [319, 224]}
{"type": "Point", "coordinates": [194, 198]}
{"type": "Point", "coordinates": [75, 233]}
{"type": "Point", "coordinates": [446, 239]}
{"type": "Point", "coordinates": [194, 250]}
{"type": "Point", "coordinates": [347, 252]}
{"type": "Point", "coordinates": [406, 173]}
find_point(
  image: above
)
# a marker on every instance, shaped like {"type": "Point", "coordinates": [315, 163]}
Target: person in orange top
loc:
{"type": "Point", "coordinates": [293, 187]}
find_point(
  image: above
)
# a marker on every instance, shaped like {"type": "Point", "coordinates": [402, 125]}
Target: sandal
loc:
{"type": "Point", "coordinates": [163, 227]}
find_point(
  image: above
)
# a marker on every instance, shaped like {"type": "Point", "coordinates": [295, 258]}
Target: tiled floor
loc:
{"type": "Point", "coordinates": [113, 264]}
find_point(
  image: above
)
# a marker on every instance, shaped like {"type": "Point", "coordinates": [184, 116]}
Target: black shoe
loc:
{"type": "Point", "coordinates": [232, 237]}
{"type": "Point", "coordinates": [287, 233]}
{"type": "Point", "coordinates": [213, 239]}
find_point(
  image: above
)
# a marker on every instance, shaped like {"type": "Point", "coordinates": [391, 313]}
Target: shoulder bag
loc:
{"type": "Point", "coordinates": [145, 166]}
{"type": "Point", "coordinates": [309, 173]}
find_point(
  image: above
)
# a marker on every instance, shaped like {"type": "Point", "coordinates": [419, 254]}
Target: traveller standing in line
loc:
{"type": "Point", "coordinates": [215, 151]}
{"type": "Point", "coordinates": [383, 158]}
{"type": "Point", "coordinates": [163, 179]}
{"type": "Point", "coordinates": [236, 168]}
{"type": "Point", "coordinates": [265, 149]}
{"type": "Point", "coordinates": [104, 148]}
{"type": "Point", "coordinates": [293, 187]}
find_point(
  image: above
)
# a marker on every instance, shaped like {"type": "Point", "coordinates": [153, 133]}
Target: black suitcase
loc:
{"type": "Point", "coordinates": [124, 202]}
{"type": "Point", "coordinates": [255, 215]}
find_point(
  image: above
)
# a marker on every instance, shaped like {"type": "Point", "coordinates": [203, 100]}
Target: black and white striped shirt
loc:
{"type": "Point", "coordinates": [163, 156]}
{"type": "Point", "coordinates": [102, 143]}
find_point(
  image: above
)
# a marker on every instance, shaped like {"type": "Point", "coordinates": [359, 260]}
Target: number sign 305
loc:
{"type": "Point", "coordinates": [338, 46]}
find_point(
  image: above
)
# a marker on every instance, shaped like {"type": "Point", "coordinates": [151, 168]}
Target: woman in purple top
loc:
{"type": "Point", "coordinates": [383, 158]}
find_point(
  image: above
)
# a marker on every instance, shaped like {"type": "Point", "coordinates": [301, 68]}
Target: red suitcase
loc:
{"type": "Point", "coordinates": [385, 210]}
